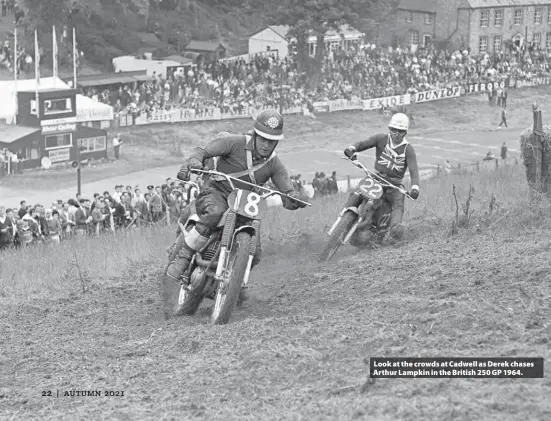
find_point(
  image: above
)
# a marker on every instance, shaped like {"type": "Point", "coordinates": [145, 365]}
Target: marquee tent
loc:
{"type": "Point", "coordinates": [90, 110]}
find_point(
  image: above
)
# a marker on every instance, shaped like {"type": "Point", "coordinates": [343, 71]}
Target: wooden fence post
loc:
{"type": "Point", "coordinates": [537, 148]}
{"type": "Point", "coordinates": [497, 163]}
{"type": "Point", "coordinates": [348, 180]}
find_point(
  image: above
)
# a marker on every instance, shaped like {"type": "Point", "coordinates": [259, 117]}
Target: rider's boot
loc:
{"type": "Point", "coordinates": [396, 234]}
{"type": "Point", "coordinates": [193, 242]}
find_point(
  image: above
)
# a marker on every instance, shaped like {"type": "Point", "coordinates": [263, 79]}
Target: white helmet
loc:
{"type": "Point", "coordinates": [399, 121]}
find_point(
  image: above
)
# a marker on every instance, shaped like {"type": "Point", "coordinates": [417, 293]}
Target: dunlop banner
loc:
{"type": "Point", "coordinates": [437, 94]}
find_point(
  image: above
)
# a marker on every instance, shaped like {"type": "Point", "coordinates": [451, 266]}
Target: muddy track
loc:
{"type": "Point", "coordinates": [297, 349]}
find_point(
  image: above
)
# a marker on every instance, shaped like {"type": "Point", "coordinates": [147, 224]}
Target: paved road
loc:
{"type": "Point", "coordinates": [458, 147]}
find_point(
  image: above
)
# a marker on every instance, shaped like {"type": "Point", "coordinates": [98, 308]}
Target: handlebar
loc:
{"type": "Point", "coordinates": [354, 160]}
{"type": "Point", "coordinates": [189, 183]}
{"type": "Point", "coordinates": [229, 179]}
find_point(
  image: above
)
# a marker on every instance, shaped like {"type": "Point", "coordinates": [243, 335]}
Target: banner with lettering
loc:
{"type": "Point", "coordinates": [482, 87]}
{"type": "Point", "coordinates": [344, 104]}
{"type": "Point", "coordinates": [389, 101]}
{"type": "Point", "coordinates": [321, 106]}
{"type": "Point", "coordinates": [201, 115]}
{"type": "Point", "coordinates": [437, 94]}
{"type": "Point", "coordinates": [536, 81]}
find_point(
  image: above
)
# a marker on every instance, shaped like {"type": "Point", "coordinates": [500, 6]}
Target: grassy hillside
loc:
{"type": "Point", "coordinates": [87, 318]}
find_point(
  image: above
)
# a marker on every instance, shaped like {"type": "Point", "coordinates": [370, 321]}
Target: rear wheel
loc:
{"type": "Point", "coordinates": [227, 294]}
{"type": "Point", "coordinates": [335, 240]}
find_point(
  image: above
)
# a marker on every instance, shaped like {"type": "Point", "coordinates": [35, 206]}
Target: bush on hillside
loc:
{"type": "Point", "coordinates": [528, 157]}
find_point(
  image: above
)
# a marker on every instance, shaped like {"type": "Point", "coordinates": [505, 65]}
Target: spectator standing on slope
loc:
{"type": "Point", "coordinates": [504, 151]}
{"type": "Point", "coordinates": [503, 118]}
{"type": "Point", "coordinates": [117, 142]}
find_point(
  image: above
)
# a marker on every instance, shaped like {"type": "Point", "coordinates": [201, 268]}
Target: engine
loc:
{"type": "Point", "coordinates": [209, 253]}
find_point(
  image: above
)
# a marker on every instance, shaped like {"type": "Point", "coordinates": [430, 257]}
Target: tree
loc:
{"type": "Point", "coordinates": [316, 17]}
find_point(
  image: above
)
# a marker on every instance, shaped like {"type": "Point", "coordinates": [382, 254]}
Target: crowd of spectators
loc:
{"type": "Point", "coordinates": [363, 70]}
{"type": "Point", "coordinates": [125, 208]}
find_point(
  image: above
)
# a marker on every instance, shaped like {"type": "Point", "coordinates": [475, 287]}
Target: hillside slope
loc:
{"type": "Point", "coordinates": [111, 28]}
{"type": "Point", "coordinates": [297, 348]}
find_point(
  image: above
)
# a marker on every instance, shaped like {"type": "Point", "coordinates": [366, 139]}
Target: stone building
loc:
{"type": "Point", "coordinates": [482, 25]}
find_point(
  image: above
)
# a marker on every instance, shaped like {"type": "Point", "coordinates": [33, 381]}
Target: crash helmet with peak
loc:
{"type": "Point", "coordinates": [269, 125]}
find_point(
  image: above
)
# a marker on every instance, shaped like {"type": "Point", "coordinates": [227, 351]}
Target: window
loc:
{"type": "Point", "coordinates": [482, 44]}
{"type": "Point", "coordinates": [498, 17]}
{"type": "Point", "coordinates": [548, 40]}
{"type": "Point", "coordinates": [59, 141]}
{"type": "Point", "coordinates": [57, 106]}
{"type": "Point", "coordinates": [538, 16]}
{"type": "Point", "coordinates": [426, 40]}
{"type": "Point", "coordinates": [413, 37]}
{"type": "Point", "coordinates": [92, 144]}
{"type": "Point", "coordinates": [484, 18]}
{"type": "Point", "coordinates": [428, 19]}
{"type": "Point", "coordinates": [497, 43]}
{"type": "Point", "coordinates": [518, 16]}
{"type": "Point", "coordinates": [536, 39]}
{"type": "Point", "coordinates": [409, 17]}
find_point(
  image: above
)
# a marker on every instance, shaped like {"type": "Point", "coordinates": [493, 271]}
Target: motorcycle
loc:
{"type": "Point", "coordinates": [222, 267]}
{"type": "Point", "coordinates": [366, 206]}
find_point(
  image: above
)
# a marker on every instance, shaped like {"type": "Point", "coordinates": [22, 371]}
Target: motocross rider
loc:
{"type": "Point", "coordinates": [249, 157]}
{"type": "Point", "coordinates": [393, 155]}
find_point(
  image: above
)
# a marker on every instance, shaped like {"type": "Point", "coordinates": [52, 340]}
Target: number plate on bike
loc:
{"type": "Point", "coordinates": [247, 203]}
{"type": "Point", "coordinates": [370, 189]}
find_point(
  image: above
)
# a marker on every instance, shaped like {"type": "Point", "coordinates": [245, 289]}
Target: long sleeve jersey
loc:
{"type": "Point", "coordinates": [392, 161]}
{"type": "Point", "coordinates": [233, 151]}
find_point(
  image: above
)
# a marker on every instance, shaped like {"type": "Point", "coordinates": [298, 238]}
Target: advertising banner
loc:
{"type": "Point", "coordinates": [389, 101]}
{"type": "Point", "coordinates": [345, 104]}
{"type": "Point", "coordinates": [437, 94]}
{"type": "Point", "coordinates": [478, 87]}
{"type": "Point", "coordinates": [59, 128]}
{"type": "Point", "coordinates": [59, 155]}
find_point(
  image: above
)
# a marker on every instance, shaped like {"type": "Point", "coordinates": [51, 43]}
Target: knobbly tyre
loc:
{"type": "Point", "coordinates": [223, 265]}
{"type": "Point", "coordinates": [366, 206]}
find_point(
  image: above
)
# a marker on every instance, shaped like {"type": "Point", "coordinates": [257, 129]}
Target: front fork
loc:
{"type": "Point", "coordinates": [360, 207]}
{"type": "Point", "coordinates": [227, 235]}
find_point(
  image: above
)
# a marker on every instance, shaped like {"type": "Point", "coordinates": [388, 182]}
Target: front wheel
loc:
{"type": "Point", "coordinates": [190, 298]}
{"type": "Point", "coordinates": [335, 240]}
{"type": "Point", "coordinates": [227, 294]}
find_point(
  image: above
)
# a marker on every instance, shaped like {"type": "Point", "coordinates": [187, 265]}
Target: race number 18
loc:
{"type": "Point", "coordinates": [251, 206]}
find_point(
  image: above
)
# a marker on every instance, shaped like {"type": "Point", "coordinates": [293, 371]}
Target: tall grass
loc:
{"type": "Point", "coordinates": [500, 201]}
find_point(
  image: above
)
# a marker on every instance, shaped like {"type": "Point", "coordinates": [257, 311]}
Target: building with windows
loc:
{"type": "Point", "coordinates": [275, 38]}
{"type": "Point", "coordinates": [47, 129]}
{"type": "Point", "coordinates": [482, 25]}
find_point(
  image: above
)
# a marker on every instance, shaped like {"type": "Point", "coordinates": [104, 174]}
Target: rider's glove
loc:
{"type": "Point", "coordinates": [291, 204]}
{"type": "Point", "coordinates": [414, 193]}
{"type": "Point", "coordinates": [350, 151]}
{"type": "Point", "coordinates": [183, 174]}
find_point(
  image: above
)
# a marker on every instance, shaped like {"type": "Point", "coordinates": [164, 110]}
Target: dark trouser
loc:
{"type": "Point", "coordinates": [503, 121]}
{"type": "Point", "coordinates": [117, 151]}
{"type": "Point", "coordinates": [396, 200]}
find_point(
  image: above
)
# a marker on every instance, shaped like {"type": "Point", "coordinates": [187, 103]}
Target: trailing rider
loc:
{"type": "Point", "coordinates": [393, 156]}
